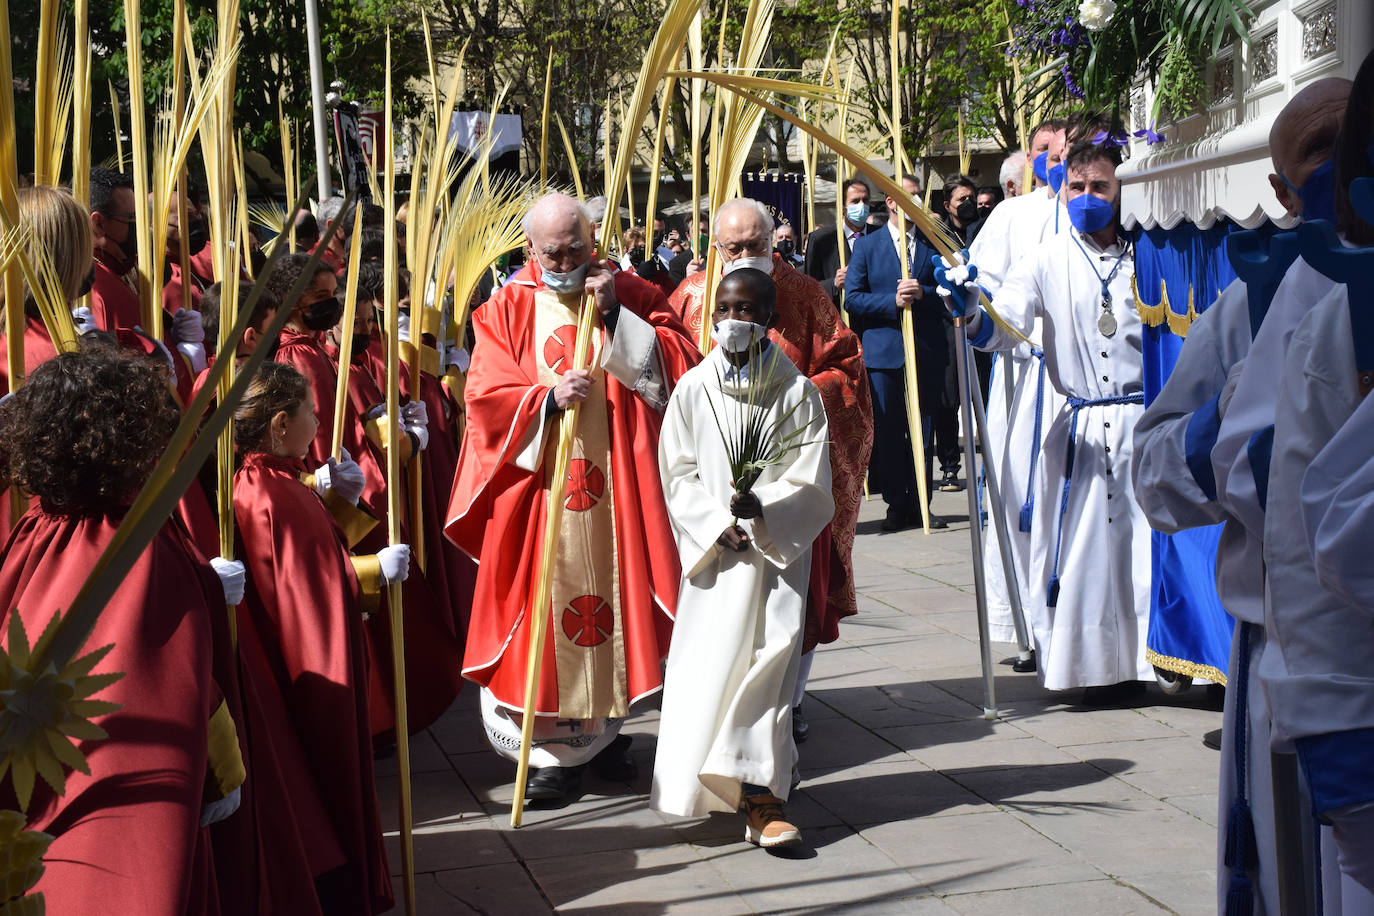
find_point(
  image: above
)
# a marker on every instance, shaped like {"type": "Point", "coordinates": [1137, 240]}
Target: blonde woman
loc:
{"type": "Point", "coordinates": [60, 234]}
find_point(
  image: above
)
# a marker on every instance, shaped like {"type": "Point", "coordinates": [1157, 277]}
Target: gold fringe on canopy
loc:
{"type": "Point", "coordinates": [1152, 316]}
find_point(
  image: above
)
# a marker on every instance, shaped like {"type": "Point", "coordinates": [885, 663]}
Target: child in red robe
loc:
{"type": "Point", "coordinates": [82, 436]}
{"type": "Point", "coordinates": [302, 618]}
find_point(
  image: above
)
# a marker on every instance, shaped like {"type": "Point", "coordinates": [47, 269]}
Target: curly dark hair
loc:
{"type": "Point", "coordinates": [285, 272]}
{"type": "Point", "coordinates": [277, 387]}
{"type": "Point", "coordinates": [88, 427]}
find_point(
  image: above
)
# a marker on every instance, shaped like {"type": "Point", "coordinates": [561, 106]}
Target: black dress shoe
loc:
{"type": "Point", "coordinates": [936, 523]}
{"type": "Point", "coordinates": [800, 727]}
{"type": "Point", "coordinates": [950, 483]}
{"type": "Point", "coordinates": [1024, 665]}
{"type": "Point", "coordinates": [553, 784]}
{"type": "Point", "coordinates": [896, 520]}
{"type": "Point", "coordinates": [614, 763]}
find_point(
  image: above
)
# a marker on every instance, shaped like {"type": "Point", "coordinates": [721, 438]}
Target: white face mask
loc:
{"type": "Point", "coordinates": [762, 262]}
{"type": "Point", "coordinates": [735, 336]}
{"type": "Point", "coordinates": [564, 283]}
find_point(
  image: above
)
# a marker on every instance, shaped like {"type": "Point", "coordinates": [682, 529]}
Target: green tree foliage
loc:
{"type": "Point", "coordinates": [273, 61]}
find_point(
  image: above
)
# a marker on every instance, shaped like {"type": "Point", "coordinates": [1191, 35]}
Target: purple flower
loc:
{"type": "Point", "coordinates": [1109, 139]}
{"type": "Point", "coordinates": [1070, 84]}
{"type": "Point", "coordinates": [1148, 135]}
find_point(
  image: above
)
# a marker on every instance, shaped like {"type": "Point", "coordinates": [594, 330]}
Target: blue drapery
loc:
{"type": "Point", "coordinates": [1179, 273]}
{"type": "Point", "coordinates": [781, 194]}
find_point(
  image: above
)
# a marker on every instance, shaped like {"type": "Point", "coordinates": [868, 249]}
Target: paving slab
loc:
{"type": "Point", "coordinates": [910, 802]}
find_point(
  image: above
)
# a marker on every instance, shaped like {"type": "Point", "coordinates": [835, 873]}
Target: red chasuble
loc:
{"type": "Point", "coordinates": [810, 333]}
{"type": "Point", "coordinates": [127, 834]}
{"type": "Point", "coordinates": [496, 512]}
{"type": "Point", "coordinates": [114, 304]}
{"type": "Point", "coordinates": [302, 610]}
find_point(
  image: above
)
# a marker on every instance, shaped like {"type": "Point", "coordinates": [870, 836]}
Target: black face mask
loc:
{"type": "Point", "coordinates": [658, 240]}
{"type": "Point", "coordinates": [322, 315]}
{"type": "Point", "coordinates": [984, 210]}
{"type": "Point", "coordinates": [129, 248]}
{"type": "Point", "coordinates": [360, 343]}
{"type": "Point", "coordinates": [967, 211]}
{"type": "Point", "coordinates": [785, 247]}
{"type": "Point", "coordinates": [637, 255]}
{"type": "Point", "coordinates": [197, 237]}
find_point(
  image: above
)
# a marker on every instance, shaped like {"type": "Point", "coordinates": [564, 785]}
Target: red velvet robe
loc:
{"type": "Point", "coordinates": [129, 832]}
{"type": "Point", "coordinates": [302, 610]}
{"type": "Point", "coordinates": [433, 651]}
{"type": "Point", "coordinates": [114, 304]}
{"type": "Point", "coordinates": [810, 333]}
{"type": "Point", "coordinates": [496, 512]}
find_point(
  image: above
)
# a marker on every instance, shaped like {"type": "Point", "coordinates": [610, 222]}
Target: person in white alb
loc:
{"type": "Point", "coordinates": [1088, 602]}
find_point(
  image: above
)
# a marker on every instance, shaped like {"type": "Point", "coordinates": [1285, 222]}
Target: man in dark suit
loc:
{"type": "Point", "coordinates": [874, 294]}
{"type": "Point", "coordinates": [822, 247]}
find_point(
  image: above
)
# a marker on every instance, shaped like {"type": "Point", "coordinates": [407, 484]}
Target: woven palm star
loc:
{"type": "Point", "coordinates": [21, 865]}
{"type": "Point", "coordinates": [43, 713]}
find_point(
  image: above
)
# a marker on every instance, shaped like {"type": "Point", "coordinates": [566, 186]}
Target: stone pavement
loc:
{"type": "Point", "coordinates": [910, 802]}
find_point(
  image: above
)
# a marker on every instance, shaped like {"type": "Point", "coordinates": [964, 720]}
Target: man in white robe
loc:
{"type": "Point", "coordinates": [1088, 601]}
{"type": "Point", "coordinates": [1019, 400]}
{"type": "Point", "coordinates": [725, 733]}
{"type": "Point", "coordinates": [1176, 487]}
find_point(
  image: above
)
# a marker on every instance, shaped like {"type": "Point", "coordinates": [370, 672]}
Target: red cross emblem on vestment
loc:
{"type": "Point", "coordinates": [586, 484]}
{"type": "Point", "coordinates": [558, 349]}
{"type": "Point", "coordinates": [588, 621]}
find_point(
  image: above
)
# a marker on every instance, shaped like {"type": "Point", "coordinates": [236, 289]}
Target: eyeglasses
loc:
{"type": "Point", "coordinates": [126, 220]}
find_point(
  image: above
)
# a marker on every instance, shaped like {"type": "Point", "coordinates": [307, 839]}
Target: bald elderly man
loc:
{"type": "Point", "coordinates": [615, 586]}
{"type": "Point", "coordinates": [808, 330]}
{"type": "Point", "coordinates": [1177, 489]}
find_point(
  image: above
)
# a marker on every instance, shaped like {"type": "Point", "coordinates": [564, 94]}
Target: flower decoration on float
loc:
{"type": "Point", "coordinates": [1096, 14]}
{"type": "Point", "coordinates": [1149, 135]}
{"type": "Point", "coordinates": [1110, 138]}
{"type": "Point", "coordinates": [1091, 54]}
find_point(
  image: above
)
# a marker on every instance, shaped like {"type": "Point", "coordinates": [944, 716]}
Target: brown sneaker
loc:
{"type": "Point", "coordinates": [764, 824]}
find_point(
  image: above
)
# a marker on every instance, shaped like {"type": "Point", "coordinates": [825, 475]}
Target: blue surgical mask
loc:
{"type": "Point", "coordinates": [856, 214]}
{"type": "Point", "coordinates": [1040, 164]}
{"type": "Point", "coordinates": [564, 283]}
{"type": "Point", "coordinates": [1055, 178]}
{"type": "Point", "coordinates": [1091, 214]}
{"type": "Point", "coordinates": [1318, 193]}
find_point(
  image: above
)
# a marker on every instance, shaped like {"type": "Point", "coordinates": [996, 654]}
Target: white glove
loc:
{"type": "Point", "coordinates": [459, 357]}
{"type": "Point", "coordinates": [395, 563]}
{"type": "Point", "coordinates": [84, 320]}
{"type": "Point", "coordinates": [958, 277]}
{"type": "Point", "coordinates": [231, 579]}
{"type": "Point", "coordinates": [195, 355]}
{"type": "Point", "coordinates": [216, 811]}
{"type": "Point", "coordinates": [343, 477]}
{"type": "Point", "coordinates": [187, 327]}
{"type": "Point", "coordinates": [415, 418]}
{"type": "Point", "coordinates": [415, 412]}
{"type": "Point", "coordinates": [403, 326]}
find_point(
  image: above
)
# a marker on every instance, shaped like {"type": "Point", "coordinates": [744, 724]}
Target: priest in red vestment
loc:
{"type": "Point", "coordinates": [617, 576]}
{"type": "Point", "coordinates": [809, 331]}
